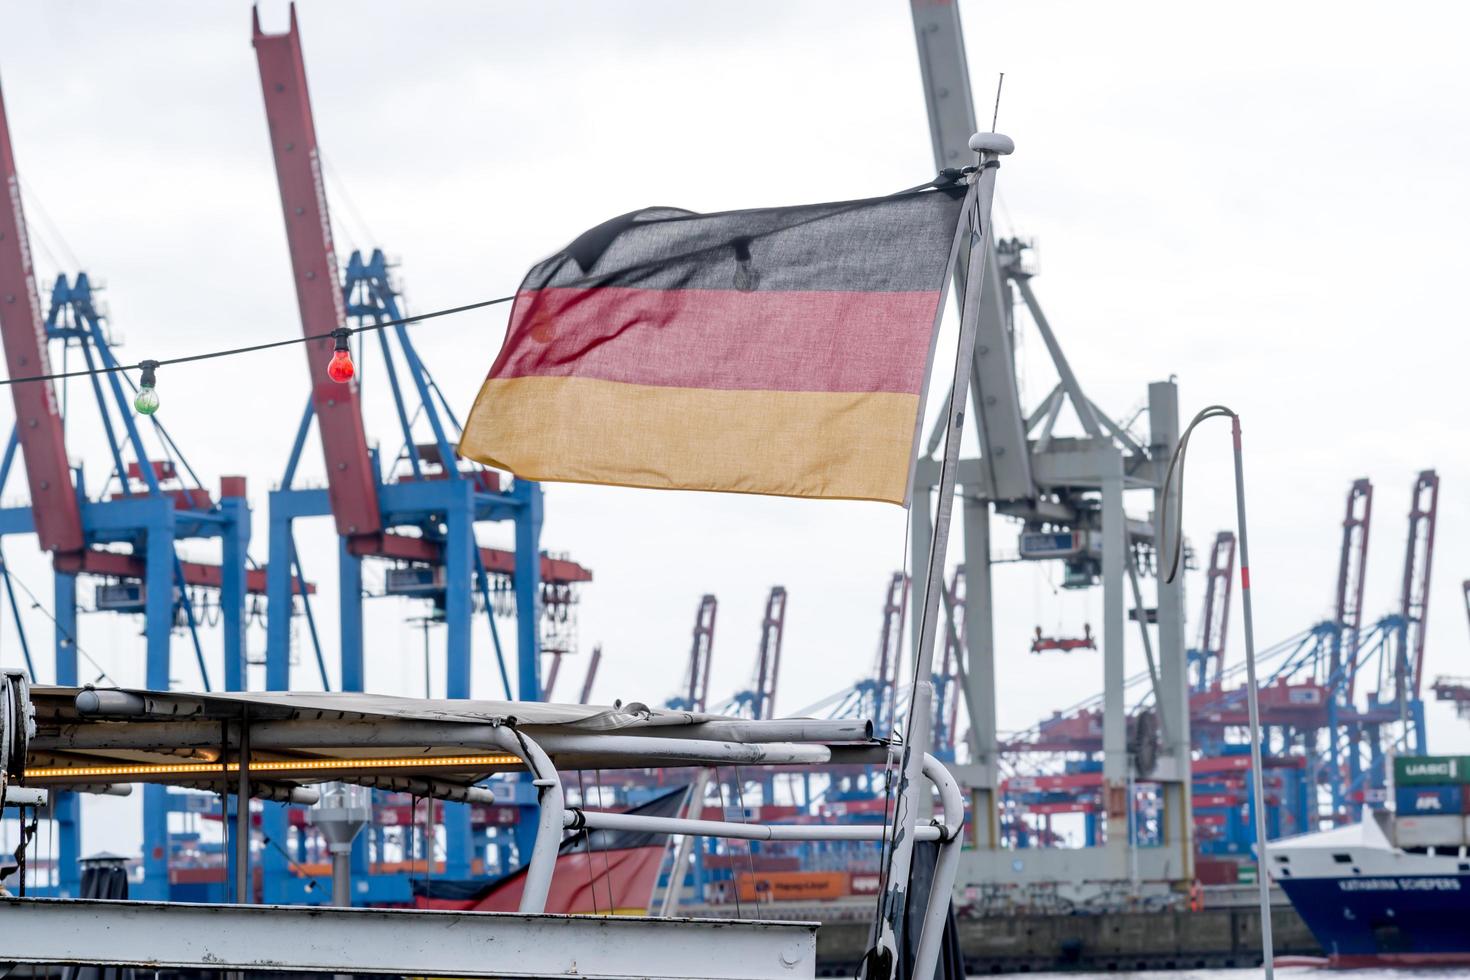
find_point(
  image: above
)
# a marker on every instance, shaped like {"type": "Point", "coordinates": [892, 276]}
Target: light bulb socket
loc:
{"type": "Point", "coordinates": [340, 335]}
{"type": "Point", "coordinates": [149, 379]}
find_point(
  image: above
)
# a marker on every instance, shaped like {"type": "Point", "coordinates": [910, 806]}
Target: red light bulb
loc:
{"type": "Point", "coordinates": [340, 368]}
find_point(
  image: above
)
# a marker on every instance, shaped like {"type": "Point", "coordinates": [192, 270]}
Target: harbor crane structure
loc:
{"type": "Point", "coordinates": [876, 697]}
{"type": "Point", "coordinates": [1456, 689]}
{"type": "Point", "coordinates": [1335, 700]}
{"type": "Point", "coordinates": [1069, 494]}
{"type": "Point", "coordinates": [1207, 660]}
{"type": "Point", "coordinates": [417, 510]}
{"type": "Point", "coordinates": [947, 694]}
{"type": "Point", "coordinates": [695, 693]}
{"type": "Point", "coordinates": [123, 531]}
{"type": "Point", "coordinates": [759, 700]}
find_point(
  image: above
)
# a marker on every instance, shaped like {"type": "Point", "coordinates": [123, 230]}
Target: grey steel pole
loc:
{"type": "Point", "coordinates": [242, 817]}
{"type": "Point", "coordinates": [342, 878]}
{"type": "Point", "coordinates": [1263, 877]}
{"type": "Point", "coordinates": [881, 958]}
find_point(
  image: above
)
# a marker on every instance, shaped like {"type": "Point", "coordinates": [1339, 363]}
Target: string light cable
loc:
{"type": "Point", "coordinates": [341, 370]}
{"type": "Point", "coordinates": [146, 401]}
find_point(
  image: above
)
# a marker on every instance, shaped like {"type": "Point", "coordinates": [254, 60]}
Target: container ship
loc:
{"type": "Point", "coordinates": [1393, 889]}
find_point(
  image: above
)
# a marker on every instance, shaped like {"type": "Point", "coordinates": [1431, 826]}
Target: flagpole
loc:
{"type": "Point", "coordinates": [881, 959]}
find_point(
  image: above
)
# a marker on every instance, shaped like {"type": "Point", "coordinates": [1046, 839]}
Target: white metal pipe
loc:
{"type": "Point", "coordinates": [436, 789]}
{"type": "Point", "coordinates": [549, 826]}
{"type": "Point", "coordinates": [773, 730]}
{"type": "Point", "coordinates": [601, 820]}
{"type": "Point", "coordinates": [647, 750]}
{"type": "Point", "coordinates": [1253, 711]}
{"type": "Point", "coordinates": [747, 743]}
{"type": "Point", "coordinates": [104, 789]}
{"type": "Point", "coordinates": [946, 867]}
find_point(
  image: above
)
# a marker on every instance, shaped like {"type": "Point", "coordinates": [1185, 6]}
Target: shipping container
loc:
{"type": "Point", "coordinates": [793, 886]}
{"type": "Point", "coordinates": [742, 863]}
{"type": "Point", "coordinates": [1443, 831]}
{"type": "Point", "coordinates": [1428, 800]}
{"type": "Point", "coordinates": [1216, 871]}
{"type": "Point", "coordinates": [1431, 770]}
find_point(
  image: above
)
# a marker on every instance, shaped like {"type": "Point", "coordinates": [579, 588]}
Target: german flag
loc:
{"type": "Point", "coordinates": [774, 351]}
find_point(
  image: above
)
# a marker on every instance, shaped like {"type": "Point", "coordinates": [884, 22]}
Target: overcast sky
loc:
{"type": "Point", "coordinates": [1263, 200]}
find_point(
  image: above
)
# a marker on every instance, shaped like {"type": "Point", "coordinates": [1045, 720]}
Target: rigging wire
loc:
{"type": "Point", "coordinates": [755, 881]}
{"type": "Point", "coordinates": [67, 636]}
{"type": "Point", "coordinates": [612, 908]}
{"type": "Point", "coordinates": [587, 844]}
{"type": "Point", "coordinates": [734, 873]}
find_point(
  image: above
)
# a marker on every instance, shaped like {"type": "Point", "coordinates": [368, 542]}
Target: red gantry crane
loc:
{"type": "Point", "coordinates": [695, 693]}
{"type": "Point", "coordinates": [1208, 659]}
{"type": "Point", "coordinates": [759, 700]}
{"type": "Point", "coordinates": [1348, 609]}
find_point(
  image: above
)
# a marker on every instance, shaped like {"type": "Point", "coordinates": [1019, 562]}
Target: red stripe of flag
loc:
{"type": "Point", "coordinates": [723, 339]}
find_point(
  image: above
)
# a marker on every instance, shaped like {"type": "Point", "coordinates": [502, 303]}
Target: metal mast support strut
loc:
{"type": "Point", "coordinates": [974, 231]}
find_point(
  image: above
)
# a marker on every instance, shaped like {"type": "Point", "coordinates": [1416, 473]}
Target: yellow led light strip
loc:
{"type": "Point", "coordinates": [281, 767]}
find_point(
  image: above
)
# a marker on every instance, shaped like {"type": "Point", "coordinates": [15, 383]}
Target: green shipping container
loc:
{"type": "Point", "coordinates": [1431, 770]}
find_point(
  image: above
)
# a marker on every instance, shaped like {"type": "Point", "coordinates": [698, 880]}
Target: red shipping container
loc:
{"type": "Point", "coordinates": [1216, 871]}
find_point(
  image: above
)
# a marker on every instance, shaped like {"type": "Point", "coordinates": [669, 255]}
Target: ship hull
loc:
{"type": "Point", "coordinates": [1370, 902]}
{"type": "Point", "coordinates": [1371, 921]}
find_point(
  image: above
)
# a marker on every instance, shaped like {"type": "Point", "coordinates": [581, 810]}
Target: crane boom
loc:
{"type": "Point", "coordinates": [1418, 562]}
{"type": "Point", "coordinates": [1352, 563]}
{"type": "Point", "coordinates": [890, 653]}
{"type": "Point", "coordinates": [1216, 619]}
{"type": "Point", "coordinates": [351, 483]}
{"type": "Point", "coordinates": [38, 427]}
{"type": "Point", "coordinates": [695, 695]}
{"type": "Point", "coordinates": [591, 677]}
{"type": "Point", "coordinates": [768, 670]}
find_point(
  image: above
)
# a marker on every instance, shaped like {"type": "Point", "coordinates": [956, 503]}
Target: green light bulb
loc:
{"type": "Point", "coordinates": [147, 401]}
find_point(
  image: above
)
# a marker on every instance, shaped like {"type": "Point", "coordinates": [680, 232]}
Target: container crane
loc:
{"type": "Point", "coordinates": [1351, 569]}
{"type": "Point", "coordinates": [592, 664]}
{"type": "Point", "coordinates": [1207, 660]}
{"type": "Point", "coordinates": [1069, 492]}
{"type": "Point", "coordinates": [759, 701]}
{"type": "Point", "coordinates": [876, 696]}
{"type": "Point", "coordinates": [125, 535]}
{"type": "Point", "coordinates": [1414, 596]}
{"type": "Point", "coordinates": [695, 693]}
{"type": "Point", "coordinates": [947, 692]}
{"type": "Point", "coordinates": [1456, 690]}
{"type": "Point", "coordinates": [422, 516]}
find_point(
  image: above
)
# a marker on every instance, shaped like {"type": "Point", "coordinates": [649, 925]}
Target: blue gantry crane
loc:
{"type": "Point", "coordinates": [122, 534]}
{"type": "Point", "coordinates": [759, 700]}
{"type": "Point", "coordinates": [416, 511]}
